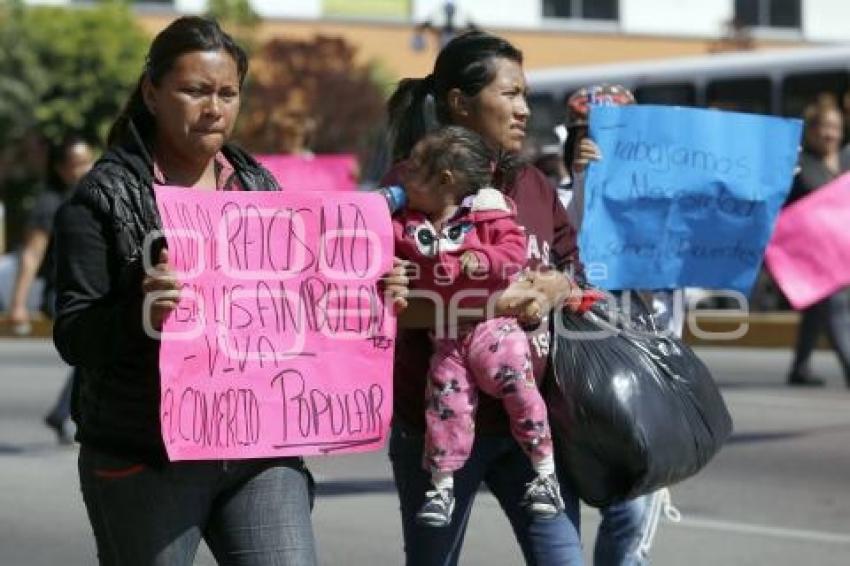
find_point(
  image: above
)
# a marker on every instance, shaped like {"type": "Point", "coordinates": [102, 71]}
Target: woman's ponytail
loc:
{"type": "Point", "coordinates": [468, 63]}
{"type": "Point", "coordinates": [411, 114]}
{"type": "Point", "coordinates": [134, 112]}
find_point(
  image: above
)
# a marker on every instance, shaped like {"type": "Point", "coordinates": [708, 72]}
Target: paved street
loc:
{"type": "Point", "coordinates": [778, 494]}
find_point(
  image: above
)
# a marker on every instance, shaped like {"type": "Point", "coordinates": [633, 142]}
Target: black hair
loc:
{"type": "Point", "coordinates": [468, 63]}
{"type": "Point", "coordinates": [57, 155]}
{"type": "Point", "coordinates": [461, 151]}
{"type": "Point", "coordinates": [183, 35]}
{"type": "Point", "coordinates": [571, 146]}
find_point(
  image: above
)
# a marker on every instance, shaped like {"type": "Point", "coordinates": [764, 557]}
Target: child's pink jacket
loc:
{"type": "Point", "coordinates": [484, 224]}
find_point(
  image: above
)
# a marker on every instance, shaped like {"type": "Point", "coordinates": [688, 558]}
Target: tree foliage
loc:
{"type": "Point", "coordinates": [67, 69]}
{"type": "Point", "coordinates": [319, 81]}
{"type": "Point", "coordinates": [239, 12]}
{"type": "Point", "coordinates": [238, 18]}
{"type": "Point", "coordinates": [61, 70]}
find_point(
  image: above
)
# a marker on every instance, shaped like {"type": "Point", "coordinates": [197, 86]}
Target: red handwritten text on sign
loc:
{"type": "Point", "coordinates": [282, 343]}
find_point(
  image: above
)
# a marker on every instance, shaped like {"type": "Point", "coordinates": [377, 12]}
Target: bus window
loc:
{"type": "Point", "coordinates": [798, 90]}
{"type": "Point", "coordinates": [740, 95]}
{"type": "Point", "coordinates": [545, 114]}
{"type": "Point", "coordinates": [681, 94]}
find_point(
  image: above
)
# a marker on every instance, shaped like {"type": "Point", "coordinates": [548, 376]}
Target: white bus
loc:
{"type": "Point", "coordinates": [778, 81]}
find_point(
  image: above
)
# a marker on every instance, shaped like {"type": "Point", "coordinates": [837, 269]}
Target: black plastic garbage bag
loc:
{"type": "Point", "coordinates": [631, 410]}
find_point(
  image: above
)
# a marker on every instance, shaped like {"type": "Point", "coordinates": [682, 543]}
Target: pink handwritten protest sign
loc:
{"type": "Point", "coordinates": [317, 173]}
{"type": "Point", "coordinates": [281, 344]}
{"type": "Point", "coordinates": [809, 254]}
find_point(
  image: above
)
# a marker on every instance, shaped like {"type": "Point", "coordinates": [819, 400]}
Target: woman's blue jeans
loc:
{"type": "Point", "coordinates": [250, 512]}
{"type": "Point", "coordinates": [620, 533]}
{"type": "Point", "coordinates": [500, 463]}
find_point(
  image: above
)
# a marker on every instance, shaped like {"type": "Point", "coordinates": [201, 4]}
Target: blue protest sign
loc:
{"type": "Point", "coordinates": [683, 196]}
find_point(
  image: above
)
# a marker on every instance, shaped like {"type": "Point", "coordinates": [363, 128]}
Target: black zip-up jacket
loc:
{"type": "Point", "coordinates": [99, 236]}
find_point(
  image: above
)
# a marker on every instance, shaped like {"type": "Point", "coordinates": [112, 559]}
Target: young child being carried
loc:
{"type": "Point", "coordinates": [463, 237]}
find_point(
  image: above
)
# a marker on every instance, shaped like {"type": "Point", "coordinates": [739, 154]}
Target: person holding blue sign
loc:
{"type": "Point", "coordinates": [625, 533]}
{"type": "Point", "coordinates": [684, 196]}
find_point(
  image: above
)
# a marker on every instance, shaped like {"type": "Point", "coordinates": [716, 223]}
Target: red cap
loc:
{"type": "Point", "coordinates": [578, 105]}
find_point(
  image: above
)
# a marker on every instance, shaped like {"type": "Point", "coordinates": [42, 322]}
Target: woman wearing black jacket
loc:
{"type": "Point", "coordinates": [143, 509]}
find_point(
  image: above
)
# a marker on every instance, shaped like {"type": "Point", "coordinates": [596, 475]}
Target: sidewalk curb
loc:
{"type": "Point", "coordinates": [40, 328]}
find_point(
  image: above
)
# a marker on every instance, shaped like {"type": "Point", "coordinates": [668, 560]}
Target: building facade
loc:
{"type": "Point", "coordinates": [550, 32]}
{"type": "Point", "coordinates": [809, 20]}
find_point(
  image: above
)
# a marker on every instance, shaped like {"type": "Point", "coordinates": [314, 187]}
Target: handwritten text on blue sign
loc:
{"type": "Point", "coordinates": [683, 196]}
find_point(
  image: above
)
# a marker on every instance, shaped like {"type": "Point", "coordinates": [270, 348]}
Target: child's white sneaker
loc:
{"type": "Point", "coordinates": [437, 509]}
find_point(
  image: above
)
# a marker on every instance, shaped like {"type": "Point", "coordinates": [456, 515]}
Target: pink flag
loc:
{"type": "Point", "coordinates": [317, 173]}
{"type": "Point", "coordinates": [809, 254]}
{"type": "Point", "coordinates": [281, 344]}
